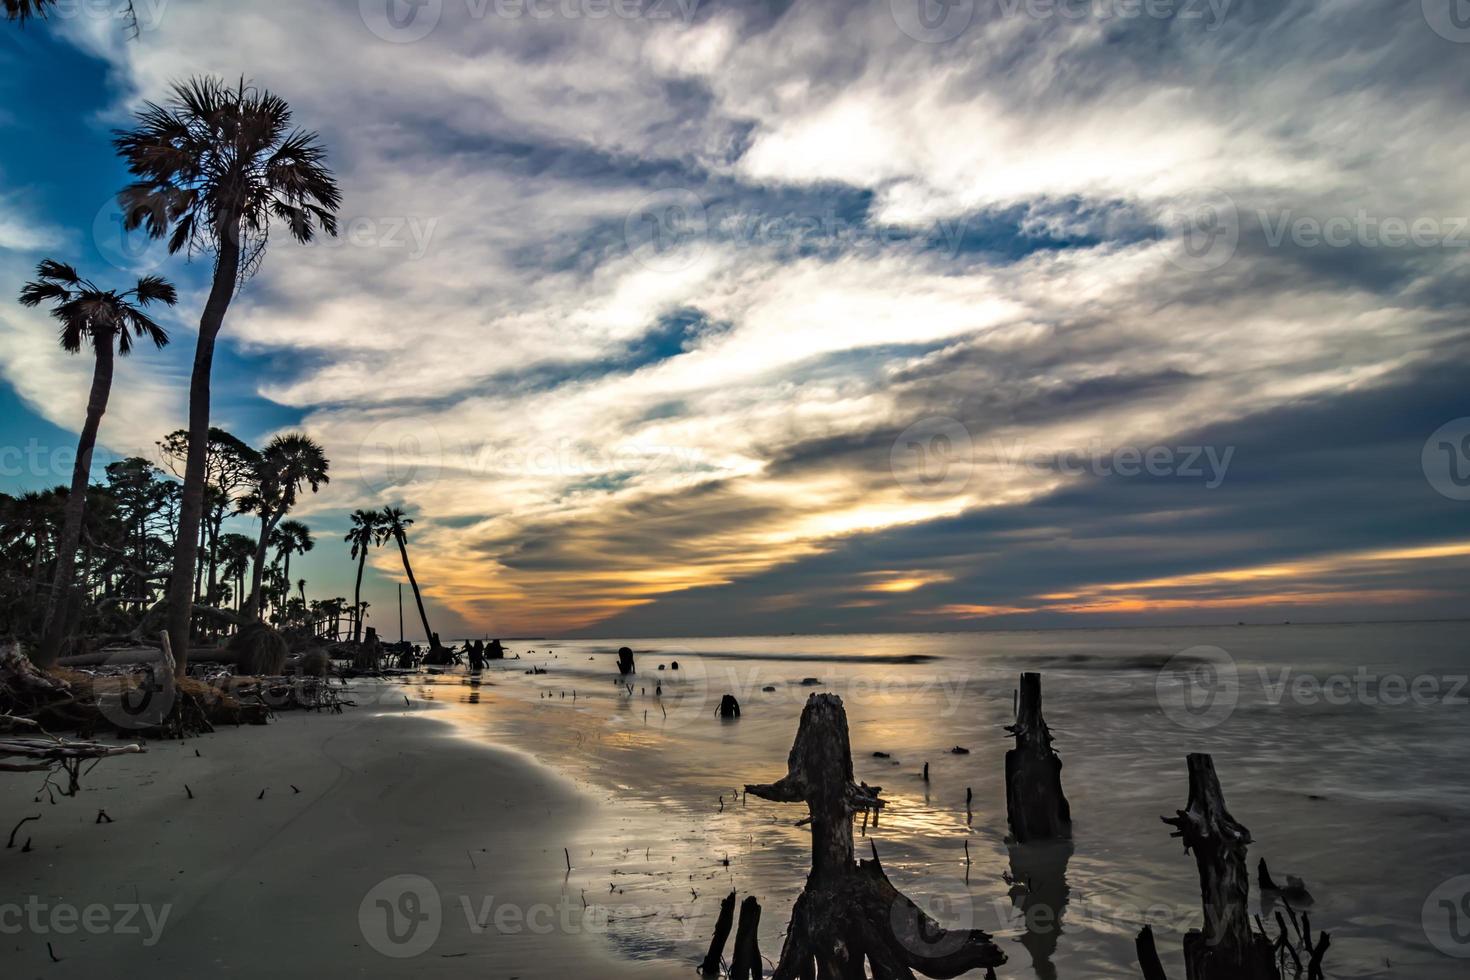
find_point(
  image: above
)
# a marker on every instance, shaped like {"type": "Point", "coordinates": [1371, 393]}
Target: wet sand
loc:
{"type": "Point", "coordinates": [307, 883]}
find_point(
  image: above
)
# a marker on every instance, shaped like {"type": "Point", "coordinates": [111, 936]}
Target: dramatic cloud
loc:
{"type": "Point", "coordinates": [656, 314]}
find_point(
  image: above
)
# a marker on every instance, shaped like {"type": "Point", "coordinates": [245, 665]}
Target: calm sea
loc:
{"type": "Point", "coordinates": [1343, 748]}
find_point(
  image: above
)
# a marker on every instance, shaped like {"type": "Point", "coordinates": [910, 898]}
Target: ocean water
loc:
{"type": "Point", "coordinates": [1343, 749]}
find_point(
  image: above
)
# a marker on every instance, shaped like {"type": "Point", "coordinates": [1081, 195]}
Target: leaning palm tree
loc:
{"type": "Point", "coordinates": [108, 320]}
{"type": "Point", "coordinates": [215, 165]}
{"type": "Point", "coordinates": [366, 525]}
{"type": "Point", "coordinates": [395, 525]}
{"type": "Point", "coordinates": [287, 465]}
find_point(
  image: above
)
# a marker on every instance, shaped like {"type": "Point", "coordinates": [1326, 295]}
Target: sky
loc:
{"type": "Point", "coordinates": [676, 317]}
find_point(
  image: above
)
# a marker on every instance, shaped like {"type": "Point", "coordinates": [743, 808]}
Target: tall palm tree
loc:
{"type": "Point", "coordinates": [366, 525]}
{"type": "Point", "coordinates": [288, 463]}
{"type": "Point", "coordinates": [396, 525]}
{"type": "Point", "coordinates": [291, 537]}
{"type": "Point", "coordinates": [215, 165]}
{"type": "Point", "coordinates": [108, 320]}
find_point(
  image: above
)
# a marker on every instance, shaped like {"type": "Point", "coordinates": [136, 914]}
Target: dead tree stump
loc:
{"type": "Point", "coordinates": [849, 912]}
{"type": "Point", "coordinates": [1227, 948]}
{"type": "Point", "coordinates": [712, 960]}
{"type": "Point", "coordinates": [729, 707]}
{"type": "Point", "coordinates": [745, 960]}
{"type": "Point", "coordinates": [625, 661]}
{"type": "Point", "coordinates": [1035, 804]}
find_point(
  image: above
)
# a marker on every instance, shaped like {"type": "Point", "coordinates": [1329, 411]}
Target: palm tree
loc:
{"type": "Point", "coordinates": [291, 537]}
{"type": "Point", "coordinates": [23, 10]}
{"type": "Point", "coordinates": [288, 463]}
{"type": "Point", "coordinates": [216, 164]}
{"type": "Point", "coordinates": [396, 525]}
{"type": "Point", "coordinates": [109, 320]}
{"type": "Point", "coordinates": [366, 525]}
{"type": "Point", "coordinates": [235, 552]}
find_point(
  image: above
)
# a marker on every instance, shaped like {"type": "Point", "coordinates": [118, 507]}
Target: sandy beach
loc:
{"type": "Point", "coordinates": [229, 881]}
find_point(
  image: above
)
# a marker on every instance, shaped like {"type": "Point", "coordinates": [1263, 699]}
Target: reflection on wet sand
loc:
{"type": "Point", "coordinates": [1038, 880]}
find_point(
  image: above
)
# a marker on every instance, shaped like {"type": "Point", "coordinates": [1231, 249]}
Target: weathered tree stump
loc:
{"type": "Point", "coordinates": [495, 651]}
{"type": "Point", "coordinates": [1227, 948]}
{"type": "Point", "coordinates": [1035, 804]}
{"type": "Point", "coordinates": [711, 965]}
{"type": "Point", "coordinates": [745, 959]}
{"type": "Point", "coordinates": [849, 913]}
{"type": "Point", "coordinates": [729, 707]}
{"type": "Point", "coordinates": [625, 661]}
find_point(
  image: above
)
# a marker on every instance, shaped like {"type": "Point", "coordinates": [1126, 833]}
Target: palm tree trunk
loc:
{"type": "Point", "coordinates": [357, 597]}
{"type": "Point", "coordinates": [191, 502]}
{"type": "Point", "coordinates": [53, 630]}
{"type": "Point", "coordinates": [199, 565]}
{"type": "Point", "coordinates": [214, 527]}
{"type": "Point", "coordinates": [254, 608]}
{"type": "Point", "coordinates": [413, 582]}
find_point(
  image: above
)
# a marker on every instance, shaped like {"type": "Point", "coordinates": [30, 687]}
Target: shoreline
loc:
{"type": "Point", "coordinates": [383, 810]}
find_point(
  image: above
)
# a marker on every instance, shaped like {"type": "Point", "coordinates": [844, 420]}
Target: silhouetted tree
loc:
{"type": "Point", "coordinates": [215, 166]}
{"type": "Point", "coordinates": [108, 320]}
